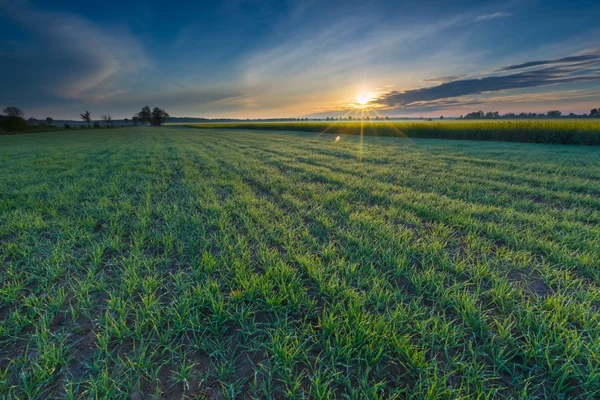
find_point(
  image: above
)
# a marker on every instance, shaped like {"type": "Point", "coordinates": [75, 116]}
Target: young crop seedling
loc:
{"type": "Point", "coordinates": [238, 263]}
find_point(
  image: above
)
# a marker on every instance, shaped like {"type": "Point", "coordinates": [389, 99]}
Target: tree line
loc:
{"type": "Point", "coordinates": [155, 117]}
{"type": "Point", "coordinates": [552, 114]}
{"type": "Point", "coordinates": [13, 119]}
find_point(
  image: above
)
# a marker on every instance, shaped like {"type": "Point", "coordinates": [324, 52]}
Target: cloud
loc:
{"type": "Point", "coordinates": [561, 71]}
{"type": "Point", "coordinates": [444, 79]}
{"type": "Point", "coordinates": [581, 58]}
{"type": "Point", "coordinates": [67, 57]}
{"type": "Point", "coordinates": [332, 50]}
{"type": "Point", "coordinates": [562, 97]}
{"type": "Point", "coordinates": [176, 97]}
{"type": "Point", "coordinates": [487, 17]}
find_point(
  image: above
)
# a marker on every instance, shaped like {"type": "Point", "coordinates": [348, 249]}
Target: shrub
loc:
{"type": "Point", "coordinates": [67, 126]}
{"type": "Point", "coordinates": [13, 124]}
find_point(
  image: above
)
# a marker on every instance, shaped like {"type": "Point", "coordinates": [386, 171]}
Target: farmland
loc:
{"type": "Point", "coordinates": [170, 262]}
{"type": "Point", "coordinates": [563, 131]}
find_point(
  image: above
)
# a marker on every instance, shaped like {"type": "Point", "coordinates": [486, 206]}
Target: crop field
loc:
{"type": "Point", "coordinates": [563, 131]}
{"type": "Point", "coordinates": [207, 264]}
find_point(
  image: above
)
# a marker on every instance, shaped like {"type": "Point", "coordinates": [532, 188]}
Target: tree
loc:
{"type": "Point", "coordinates": [135, 121]}
{"type": "Point", "coordinates": [107, 119]}
{"type": "Point", "coordinates": [475, 115]}
{"type": "Point", "coordinates": [594, 113]}
{"type": "Point", "coordinates": [158, 116]}
{"type": "Point", "coordinates": [49, 120]}
{"type": "Point", "coordinates": [126, 120]}
{"type": "Point", "coordinates": [144, 115]}
{"type": "Point", "coordinates": [32, 121]}
{"type": "Point", "coordinates": [13, 112]}
{"type": "Point", "coordinates": [87, 117]}
{"type": "Point", "coordinates": [554, 113]}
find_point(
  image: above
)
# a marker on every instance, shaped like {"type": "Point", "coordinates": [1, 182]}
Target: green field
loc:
{"type": "Point", "coordinates": [558, 131]}
{"type": "Point", "coordinates": [169, 262]}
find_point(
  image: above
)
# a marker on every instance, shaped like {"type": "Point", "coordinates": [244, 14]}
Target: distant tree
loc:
{"type": "Point", "coordinates": [126, 120]}
{"type": "Point", "coordinates": [554, 113]}
{"type": "Point", "coordinates": [145, 115]}
{"type": "Point", "coordinates": [49, 120]}
{"type": "Point", "coordinates": [87, 117]}
{"type": "Point", "coordinates": [107, 119]}
{"type": "Point", "coordinates": [158, 116]}
{"type": "Point", "coordinates": [441, 117]}
{"type": "Point", "coordinates": [594, 113]}
{"type": "Point", "coordinates": [572, 115]}
{"type": "Point", "coordinates": [387, 118]}
{"type": "Point", "coordinates": [32, 121]}
{"type": "Point", "coordinates": [135, 121]}
{"type": "Point", "coordinates": [13, 112]}
{"type": "Point", "coordinates": [475, 115]}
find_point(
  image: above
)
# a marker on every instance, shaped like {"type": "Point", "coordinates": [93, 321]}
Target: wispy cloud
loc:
{"type": "Point", "coordinates": [561, 71]}
{"type": "Point", "coordinates": [443, 79]}
{"type": "Point", "coordinates": [591, 56]}
{"type": "Point", "coordinates": [496, 15]}
{"type": "Point", "coordinates": [69, 56]}
{"type": "Point", "coordinates": [325, 63]}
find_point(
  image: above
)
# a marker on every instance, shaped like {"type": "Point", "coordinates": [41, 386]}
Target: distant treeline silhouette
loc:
{"type": "Point", "coordinates": [550, 114]}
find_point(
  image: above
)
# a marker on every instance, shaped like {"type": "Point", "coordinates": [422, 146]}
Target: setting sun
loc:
{"type": "Point", "coordinates": [362, 99]}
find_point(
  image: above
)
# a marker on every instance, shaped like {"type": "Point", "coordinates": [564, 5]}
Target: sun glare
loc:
{"type": "Point", "coordinates": [362, 99]}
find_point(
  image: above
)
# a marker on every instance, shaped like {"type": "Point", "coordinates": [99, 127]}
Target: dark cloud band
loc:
{"type": "Point", "coordinates": [574, 69]}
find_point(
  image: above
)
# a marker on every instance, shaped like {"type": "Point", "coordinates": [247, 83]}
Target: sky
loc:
{"type": "Point", "coordinates": [272, 59]}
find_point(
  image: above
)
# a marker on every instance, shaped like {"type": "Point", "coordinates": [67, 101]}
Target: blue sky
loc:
{"type": "Point", "coordinates": [250, 59]}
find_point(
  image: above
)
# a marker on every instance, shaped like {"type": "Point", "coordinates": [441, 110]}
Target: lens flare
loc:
{"type": "Point", "coordinates": [337, 139]}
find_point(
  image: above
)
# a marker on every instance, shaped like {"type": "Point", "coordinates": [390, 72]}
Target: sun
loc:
{"type": "Point", "coordinates": [362, 99]}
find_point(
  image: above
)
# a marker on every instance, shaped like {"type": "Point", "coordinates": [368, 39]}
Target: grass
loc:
{"type": "Point", "coordinates": [568, 131]}
{"type": "Point", "coordinates": [43, 128]}
{"type": "Point", "coordinates": [157, 262]}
